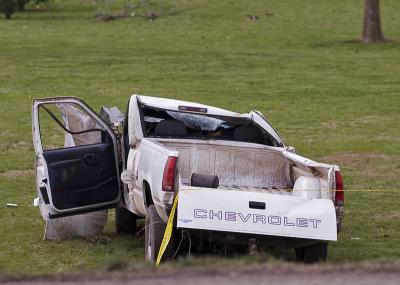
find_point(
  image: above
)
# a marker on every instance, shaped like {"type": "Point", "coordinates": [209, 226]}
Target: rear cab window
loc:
{"type": "Point", "coordinates": [163, 123]}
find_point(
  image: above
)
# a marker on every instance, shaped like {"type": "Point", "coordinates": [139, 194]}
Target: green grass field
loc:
{"type": "Point", "coordinates": [333, 98]}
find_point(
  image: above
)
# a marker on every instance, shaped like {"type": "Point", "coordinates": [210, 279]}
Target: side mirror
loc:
{"type": "Point", "coordinates": [290, 149]}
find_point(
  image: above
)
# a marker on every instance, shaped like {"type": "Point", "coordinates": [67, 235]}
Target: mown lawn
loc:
{"type": "Point", "coordinates": [333, 98]}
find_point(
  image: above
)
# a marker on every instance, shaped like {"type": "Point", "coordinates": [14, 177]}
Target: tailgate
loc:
{"type": "Point", "coordinates": [256, 213]}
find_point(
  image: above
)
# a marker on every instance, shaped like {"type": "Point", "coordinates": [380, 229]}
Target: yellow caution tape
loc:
{"type": "Point", "coordinates": [364, 190]}
{"type": "Point", "coordinates": [168, 231]}
{"type": "Point", "coordinates": [309, 190]}
{"type": "Point", "coordinates": [348, 190]}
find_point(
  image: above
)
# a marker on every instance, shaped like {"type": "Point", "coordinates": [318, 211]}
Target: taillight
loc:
{"type": "Point", "coordinates": [168, 181]}
{"type": "Point", "coordinates": [339, 194]}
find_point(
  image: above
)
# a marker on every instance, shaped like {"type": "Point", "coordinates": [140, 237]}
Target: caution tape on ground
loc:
{"type": "Point", "coordinates": [345, 191]}
{"type": "Point", "coordinates": [355, 190]}
{"type": "Point", "coordinates": [168, 231]}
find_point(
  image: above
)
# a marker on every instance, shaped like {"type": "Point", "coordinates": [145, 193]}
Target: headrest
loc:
{"type": "Point", "coordinates": [171, 128]}
{"type": "Point", "coordinates": [249, 133]}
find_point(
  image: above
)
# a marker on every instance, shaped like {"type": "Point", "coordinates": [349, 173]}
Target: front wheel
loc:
{"type": "Point", "coordinates": [313, 253]}
{"type": "Point", "coordinates": [154, 233]}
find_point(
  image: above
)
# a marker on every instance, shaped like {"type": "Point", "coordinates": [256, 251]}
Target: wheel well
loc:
{"type": "Point", "coordinates": [148, 200]}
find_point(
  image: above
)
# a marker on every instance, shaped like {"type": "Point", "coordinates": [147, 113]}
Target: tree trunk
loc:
{"type": "Point", "coordinates": [372, 30]}
{"type": "Point", "coordinates": [21, 5]}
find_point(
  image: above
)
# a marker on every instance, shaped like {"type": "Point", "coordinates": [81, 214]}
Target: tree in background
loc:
{"type": "Point", "coordinates": [8, 7]}
{"type": "Point", "coordinates": [105, 9]}
{"type": "Point", "coordinates": [372, 29]}
{"type": "Point", "coordinates": [21, 4]}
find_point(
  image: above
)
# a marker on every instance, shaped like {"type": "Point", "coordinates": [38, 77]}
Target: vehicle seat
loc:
{"type": "Point", "coordinates": [249, 133]}
{"type": "Point", "coordinates": [171, 128]}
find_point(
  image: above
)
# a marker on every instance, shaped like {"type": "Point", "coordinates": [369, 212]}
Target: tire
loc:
{"type": "Point", "coordinates": [154, 233]}
{"type": "Point", "coordinates": [313, 253]}
{"type": "Point", "coordinates": [125, 221]}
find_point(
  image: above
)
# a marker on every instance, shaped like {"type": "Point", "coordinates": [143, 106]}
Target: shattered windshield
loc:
{"type": "Point", "coordinates": [197, 121]}
{"type": "Point", "coordinates": [175, 124]}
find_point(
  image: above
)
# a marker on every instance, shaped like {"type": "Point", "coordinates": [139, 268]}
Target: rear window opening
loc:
{"type": "Point", "coordinates": [161, 123]}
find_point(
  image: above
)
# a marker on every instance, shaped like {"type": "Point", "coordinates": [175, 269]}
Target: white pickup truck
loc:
{"type": "Point", "coordinates": [236, 179]}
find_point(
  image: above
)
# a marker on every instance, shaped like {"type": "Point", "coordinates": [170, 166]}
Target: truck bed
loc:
{"type": "Point", "coordinates": [284, 192]}
{"type": "Point", "coordinates": [247, 166]}
{"type": "Point", "coordinates": [237, 165]}
{"type": "Point", "coordinates": [257, 192]}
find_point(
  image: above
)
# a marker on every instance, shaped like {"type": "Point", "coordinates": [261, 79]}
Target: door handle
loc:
{"type": "Point", "coordinates": [256, 205]}
{"type": "Point", "coordinates": [91, 159]}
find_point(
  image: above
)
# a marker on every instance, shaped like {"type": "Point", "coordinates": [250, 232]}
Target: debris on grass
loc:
{"type": "Point", "coordinates": [269, 13]}
{"type": "Point", "coordinates": [151, 16]}
{"type": "Point", "coordinates": [117, 266]}
{"type": "Point", "coordinates": [252, 17]}
{"type": "Point", "coordinates": [12, 205]}
{"type": "Point", "coordinates": [99, 239]}
{"type": "Point", "coordinates": [107, 17]}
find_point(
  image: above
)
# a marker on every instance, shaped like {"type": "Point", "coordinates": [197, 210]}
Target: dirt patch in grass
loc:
{"type": "Point", "coordinates": [355, 159]}
{"type": "Point", "coordinates": [5, 90]}
{"type": "Point", "coordinates": [381, 167]}
{"type": "Point", "coordinates": [388, 216]}
{"type": "Point", "coordinates": [321, 274]}
{"type": "Point", "coordinates": [20, 145]}
{"type": "Point", "coordinates": [330, 125]}
{"type": "Point", "coordinates": [17, 173]}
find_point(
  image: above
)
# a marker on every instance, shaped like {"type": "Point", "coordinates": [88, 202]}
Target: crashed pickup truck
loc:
{"type": "Point", "coordinates": [236, 180]}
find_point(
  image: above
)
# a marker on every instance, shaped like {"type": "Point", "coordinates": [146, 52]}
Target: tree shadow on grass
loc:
{"type": "Point", "coordinates": [352, 43]}
{"type": "Point", "coordinates": [236, 253]}
{"type": "Point", "coordinates": [50, 16]}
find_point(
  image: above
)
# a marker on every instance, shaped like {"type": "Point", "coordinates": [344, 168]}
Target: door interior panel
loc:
{"type": "Point", "coordinates": [82, 175]}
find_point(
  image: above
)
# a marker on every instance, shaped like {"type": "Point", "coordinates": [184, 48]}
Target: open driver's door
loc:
{"type": "Point", "coordinates": [81, 173]}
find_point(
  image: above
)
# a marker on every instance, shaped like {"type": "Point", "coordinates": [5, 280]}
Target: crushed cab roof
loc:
{"type": "Point", "coordinates": [171, 104]}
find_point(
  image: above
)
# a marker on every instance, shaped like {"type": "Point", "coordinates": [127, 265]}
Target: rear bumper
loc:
{"type": "Point", "coordinates": [246, 239]}
{"type": "Point", "coordinates": [257, 214]}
